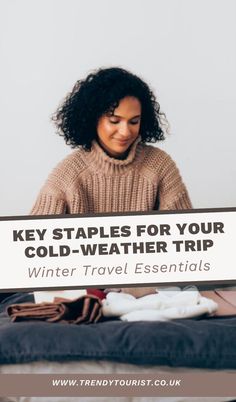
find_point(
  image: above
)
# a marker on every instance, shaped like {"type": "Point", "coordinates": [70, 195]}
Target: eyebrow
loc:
{"type": "Point", "coordinates": [116, 115]}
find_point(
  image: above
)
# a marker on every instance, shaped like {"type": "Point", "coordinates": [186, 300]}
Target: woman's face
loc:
{"type": "Point", "coordinates": [117, 131]}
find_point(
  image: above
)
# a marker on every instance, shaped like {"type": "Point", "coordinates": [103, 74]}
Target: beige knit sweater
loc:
{"type": "Point", "coordinates": [91, 182]}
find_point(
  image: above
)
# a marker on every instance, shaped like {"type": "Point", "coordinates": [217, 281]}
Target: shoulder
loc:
{"type": "Point", "coordinates": [154, 153]}
{"type": "Point", "coordinates": [66, 171]}
{"type": "Point", "coordinates": [156, 159]}
{"type": "Point", "coordinates": [75, 160]}
{"type": "Point", "coordinates": [163, 170]}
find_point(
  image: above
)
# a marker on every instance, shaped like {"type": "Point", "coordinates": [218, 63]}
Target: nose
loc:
{"type": "Point", "coordinates": [124, 130]}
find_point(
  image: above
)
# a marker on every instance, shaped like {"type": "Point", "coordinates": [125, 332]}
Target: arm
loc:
{"type": "Point", "coordinates": [139, 292]}
{"type": "Point", "coordinates": [172, 191]}
{"type": "Point", "coordinates": [61, 193]}
{"type": "Point", "coordinates": [51, 199]}
{"type": "Point", "coordinates": [48, 204]}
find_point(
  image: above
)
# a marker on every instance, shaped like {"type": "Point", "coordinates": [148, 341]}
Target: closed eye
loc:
{"type": "Point", "coordinates": [114, 121]}
{"type": "Point", "coordinates": [133, 122]}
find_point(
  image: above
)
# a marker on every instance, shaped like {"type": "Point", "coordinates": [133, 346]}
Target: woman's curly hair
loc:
{"type": "Point", "coordinates": [77, 117]}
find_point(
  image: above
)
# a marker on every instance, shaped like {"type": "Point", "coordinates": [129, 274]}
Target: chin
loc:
{"type": "Point", "coordinates": [122, 150]}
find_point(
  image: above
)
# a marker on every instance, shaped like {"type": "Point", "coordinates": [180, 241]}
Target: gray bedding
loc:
{"type": "Point", "coordinates": [202, 343]}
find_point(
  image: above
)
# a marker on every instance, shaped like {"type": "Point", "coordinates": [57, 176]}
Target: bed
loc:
{"type": "Point", "coordinates": [113, 346]}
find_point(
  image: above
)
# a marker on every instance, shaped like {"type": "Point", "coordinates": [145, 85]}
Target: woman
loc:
{"type": "Point", "coordinates": [109, 117]}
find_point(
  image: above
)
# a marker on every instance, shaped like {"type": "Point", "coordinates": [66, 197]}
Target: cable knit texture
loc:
{"type": "Point", "coordinates": [92, 181]}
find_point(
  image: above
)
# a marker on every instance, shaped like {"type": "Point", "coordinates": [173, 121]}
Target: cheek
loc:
{"type": "Point", "coordinates": [135, 129]}
{"type": "Point", "coordinates": [105, 129]}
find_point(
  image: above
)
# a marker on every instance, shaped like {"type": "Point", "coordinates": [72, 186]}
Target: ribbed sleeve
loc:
{"type": "Point", "coordinates": [172, 191]}
{"type": "Point", "coordinates": [47, 204]}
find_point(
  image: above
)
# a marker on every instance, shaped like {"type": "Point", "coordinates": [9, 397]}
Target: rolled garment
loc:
{"type": "Point", "coordinates": [117, 304]}
{"type": "Point", "coordinates": [86, 309]}
{"type": "Point", "coordinates": [206, 306]}
{"type": "Point", "coordinates": [168, 303]}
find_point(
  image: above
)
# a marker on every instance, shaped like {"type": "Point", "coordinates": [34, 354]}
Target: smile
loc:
{"type": "Point", "coordinates": [123, 142]}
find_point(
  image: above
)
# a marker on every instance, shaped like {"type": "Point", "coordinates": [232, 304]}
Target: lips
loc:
{"type": "Point", "coordinates": [123, 142]}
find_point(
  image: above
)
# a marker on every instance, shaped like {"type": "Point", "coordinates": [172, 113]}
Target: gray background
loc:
{"type": "Point", "coordinates": [185, 49]}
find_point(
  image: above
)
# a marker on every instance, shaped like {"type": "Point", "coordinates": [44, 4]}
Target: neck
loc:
{"type": "Point", "coordinates": [121, 157]}
{"type": "Point", "coordinates": [100, 160]}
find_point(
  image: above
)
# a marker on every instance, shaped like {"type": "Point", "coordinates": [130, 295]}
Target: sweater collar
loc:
{"type": "Point", "coordinates": [99, 159]}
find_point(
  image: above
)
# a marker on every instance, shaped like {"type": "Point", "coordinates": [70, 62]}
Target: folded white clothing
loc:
{"type": "Point", "coordinates": [205, 306]}
{"type": "Point", "coordinates": [167, 304]}
{"type": "Point", "coordinates": [118, 304]}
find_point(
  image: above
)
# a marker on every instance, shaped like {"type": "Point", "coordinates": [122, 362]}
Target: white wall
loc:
{"type": "Point", "coordinates": [185, 49]}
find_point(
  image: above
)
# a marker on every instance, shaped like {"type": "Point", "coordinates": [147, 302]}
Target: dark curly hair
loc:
{"type": "Point", "coordinates": [99, 93]}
